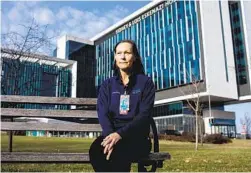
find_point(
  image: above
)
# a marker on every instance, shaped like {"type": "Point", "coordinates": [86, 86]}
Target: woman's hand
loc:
{"type": "Point", "coordinates": [109, 153]}
{"type": "Point", "coordinates": [109, 142]}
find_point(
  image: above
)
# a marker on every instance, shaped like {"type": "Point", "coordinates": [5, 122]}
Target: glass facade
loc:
{"type": "Point", "coordinates": [33, 79]}
{"type": "Point", "coordinates": [54, 53]}
{"type": "Point", "coordinates": [181, 123]}
{"type": "Point", "coordinates": [225, 127]}
{"type": "Point", "coordinates": [72, 46]}
{"type": "Point", "coordinates": [72, 134]}
{"type": "Point", "coordinates": [238, 42]}
{"type": "Point", "coordinates": [225, 130]}
{"type": "Point", "coordinates": [168, 40]}
{"type": "Point", "coordinates": [36, 133]}
{"type": "Point", "coordinates": [168, 109]}
{"type": "Point", "coordinates": [176, 115]}
{"type": "Point", "coordinates": [84, 55]}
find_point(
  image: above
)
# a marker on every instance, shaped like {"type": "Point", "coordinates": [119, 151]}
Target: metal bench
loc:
{"type": "Point", "coordinates": [154, 159]}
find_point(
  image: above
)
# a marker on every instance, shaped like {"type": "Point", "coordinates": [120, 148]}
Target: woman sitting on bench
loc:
{"type": "Point", "coordinates": [124, 108]}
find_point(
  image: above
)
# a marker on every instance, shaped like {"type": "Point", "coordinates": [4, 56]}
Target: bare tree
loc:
{"type": "Point", "coordinates": [16, 48]}
{"type": "Point", "coordinates": [195, 104]}
{"type": "Point", "coordinates": [32, 38]}
{"type": "Point", "coordinates": [246, 121]}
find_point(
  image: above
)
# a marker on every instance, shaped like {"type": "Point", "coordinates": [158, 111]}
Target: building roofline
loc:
{"type": "Point", "coordinates": [126, 19]}
{"type": "Point", "coordinates": [35, 58]}
{"type": "Point", "coordinates": [77, 39]}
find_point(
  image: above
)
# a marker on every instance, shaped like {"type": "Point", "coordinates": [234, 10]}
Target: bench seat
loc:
{"type": "Point", "coordinates": [80, 119]}
{"type": "Point", "coordinates": [36, 157]}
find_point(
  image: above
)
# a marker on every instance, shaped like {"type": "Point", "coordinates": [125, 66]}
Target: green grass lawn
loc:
{"type": "Point", "coordinates": [233, 157]}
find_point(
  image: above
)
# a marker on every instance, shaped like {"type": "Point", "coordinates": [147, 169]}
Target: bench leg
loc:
{"type": "Point", "coordinates": [142, 168]}
{"type": "Point", "coordinates": [10, 141]}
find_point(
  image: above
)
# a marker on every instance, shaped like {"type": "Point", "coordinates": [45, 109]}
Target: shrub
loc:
{"type": "Point", "coordinates": [188, 136]}
{"type": "Point", "coordinates": [185, 137]}
{"type": "Point", "coordinates": [216, 139]}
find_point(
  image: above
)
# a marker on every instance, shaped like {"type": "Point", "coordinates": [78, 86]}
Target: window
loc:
{"type": "Point", "coordinates": [48, 85]}
{"type": "Point", "coordinates": [238, 44]}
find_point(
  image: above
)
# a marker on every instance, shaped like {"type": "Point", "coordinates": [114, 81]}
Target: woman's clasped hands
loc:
{"type": "Point", "coordinates": [109, 142]}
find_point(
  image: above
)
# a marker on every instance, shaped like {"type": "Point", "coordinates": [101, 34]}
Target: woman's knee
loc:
{"type": "Point", "coordinates": [96, 147]}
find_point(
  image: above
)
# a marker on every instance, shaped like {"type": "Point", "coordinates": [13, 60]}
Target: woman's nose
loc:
{"type": "Point", "coordinates": [122, 56]}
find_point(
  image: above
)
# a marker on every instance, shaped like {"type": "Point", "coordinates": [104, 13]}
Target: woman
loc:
{"type": "Point", "coordinates": [124, 108]}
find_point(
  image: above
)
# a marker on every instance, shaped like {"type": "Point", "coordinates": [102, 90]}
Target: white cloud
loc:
{"type": "Point", "coordinates": [64, 20]}
{"type": "Point", "coordinates": [61, 15]}
{"type": "Point", "coordinates": [23, 12]}
{"type": "Point", "coordinates": [18, 29]}
{"type": "Point", "coordinates": [32, 3]}
{"type": "Point", "coordinates": [4, 23]}
{"type": "Point", "coordinates": [116, 13]}
{"type": "Point", "coordinates": [14, 13]}
{"type": "Point", "coordinates": [44, 16]}
{"type": "Point", "coordinates": [75, 13]}
{"type": "Point", "coordinates": [86, 24]}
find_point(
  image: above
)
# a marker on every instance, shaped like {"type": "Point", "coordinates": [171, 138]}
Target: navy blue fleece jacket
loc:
{"type": "Point", "coordinates": [136, 123]}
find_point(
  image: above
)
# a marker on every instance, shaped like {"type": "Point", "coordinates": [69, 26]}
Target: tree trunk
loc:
{"type": "Point", "coordinates": [200, 126]}
{"type": "Point", "coordinates": [196, 131]}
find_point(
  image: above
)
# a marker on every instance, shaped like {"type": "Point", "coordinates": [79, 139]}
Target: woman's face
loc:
{"type": "Point", "coordinates": [124, 56]}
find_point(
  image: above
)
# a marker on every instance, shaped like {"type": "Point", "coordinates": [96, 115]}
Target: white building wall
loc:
{"type": "Point", "coordinates": [219, 114]}
{"type": "Point", "coordinates": [215, 114]}
{"type": "Point", "coordinates": [61, 44]}
{"type": "Point", "coordinates": [61, 47]}
{"type": "Point", "coordinates": [74, 80]}
{"type": "Point", "coordinates": [213, 45]}
{"type": "Point", "coordinates": [208, 127]}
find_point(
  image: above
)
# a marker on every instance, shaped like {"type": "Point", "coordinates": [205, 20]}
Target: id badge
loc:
{"type": "Point", "coordinates": [124, 104]}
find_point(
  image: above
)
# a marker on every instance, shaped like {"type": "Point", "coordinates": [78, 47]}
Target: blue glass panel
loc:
{"type": "Point", "coordinates": [238, 42]}
{"type": "Point", "coordinates": [167, 33]}
{"type": "Point", "coordinates": [223, 122]}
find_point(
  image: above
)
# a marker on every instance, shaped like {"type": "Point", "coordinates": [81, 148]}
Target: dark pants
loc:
{"type": "Point", "coordinates": [124, 152]}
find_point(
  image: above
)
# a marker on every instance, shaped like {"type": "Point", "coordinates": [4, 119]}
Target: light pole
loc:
{"type": "Point", "coordinates": [209, 107]}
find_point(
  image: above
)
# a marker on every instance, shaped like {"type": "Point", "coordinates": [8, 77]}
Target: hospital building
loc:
{"type": "Point", "coordinates": [189, 48]}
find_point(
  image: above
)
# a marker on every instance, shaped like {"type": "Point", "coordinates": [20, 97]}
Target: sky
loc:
{"type": "Point", "coordinates": [240, 110]}
{"type": "Point", "coordinates": [83, 19]}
